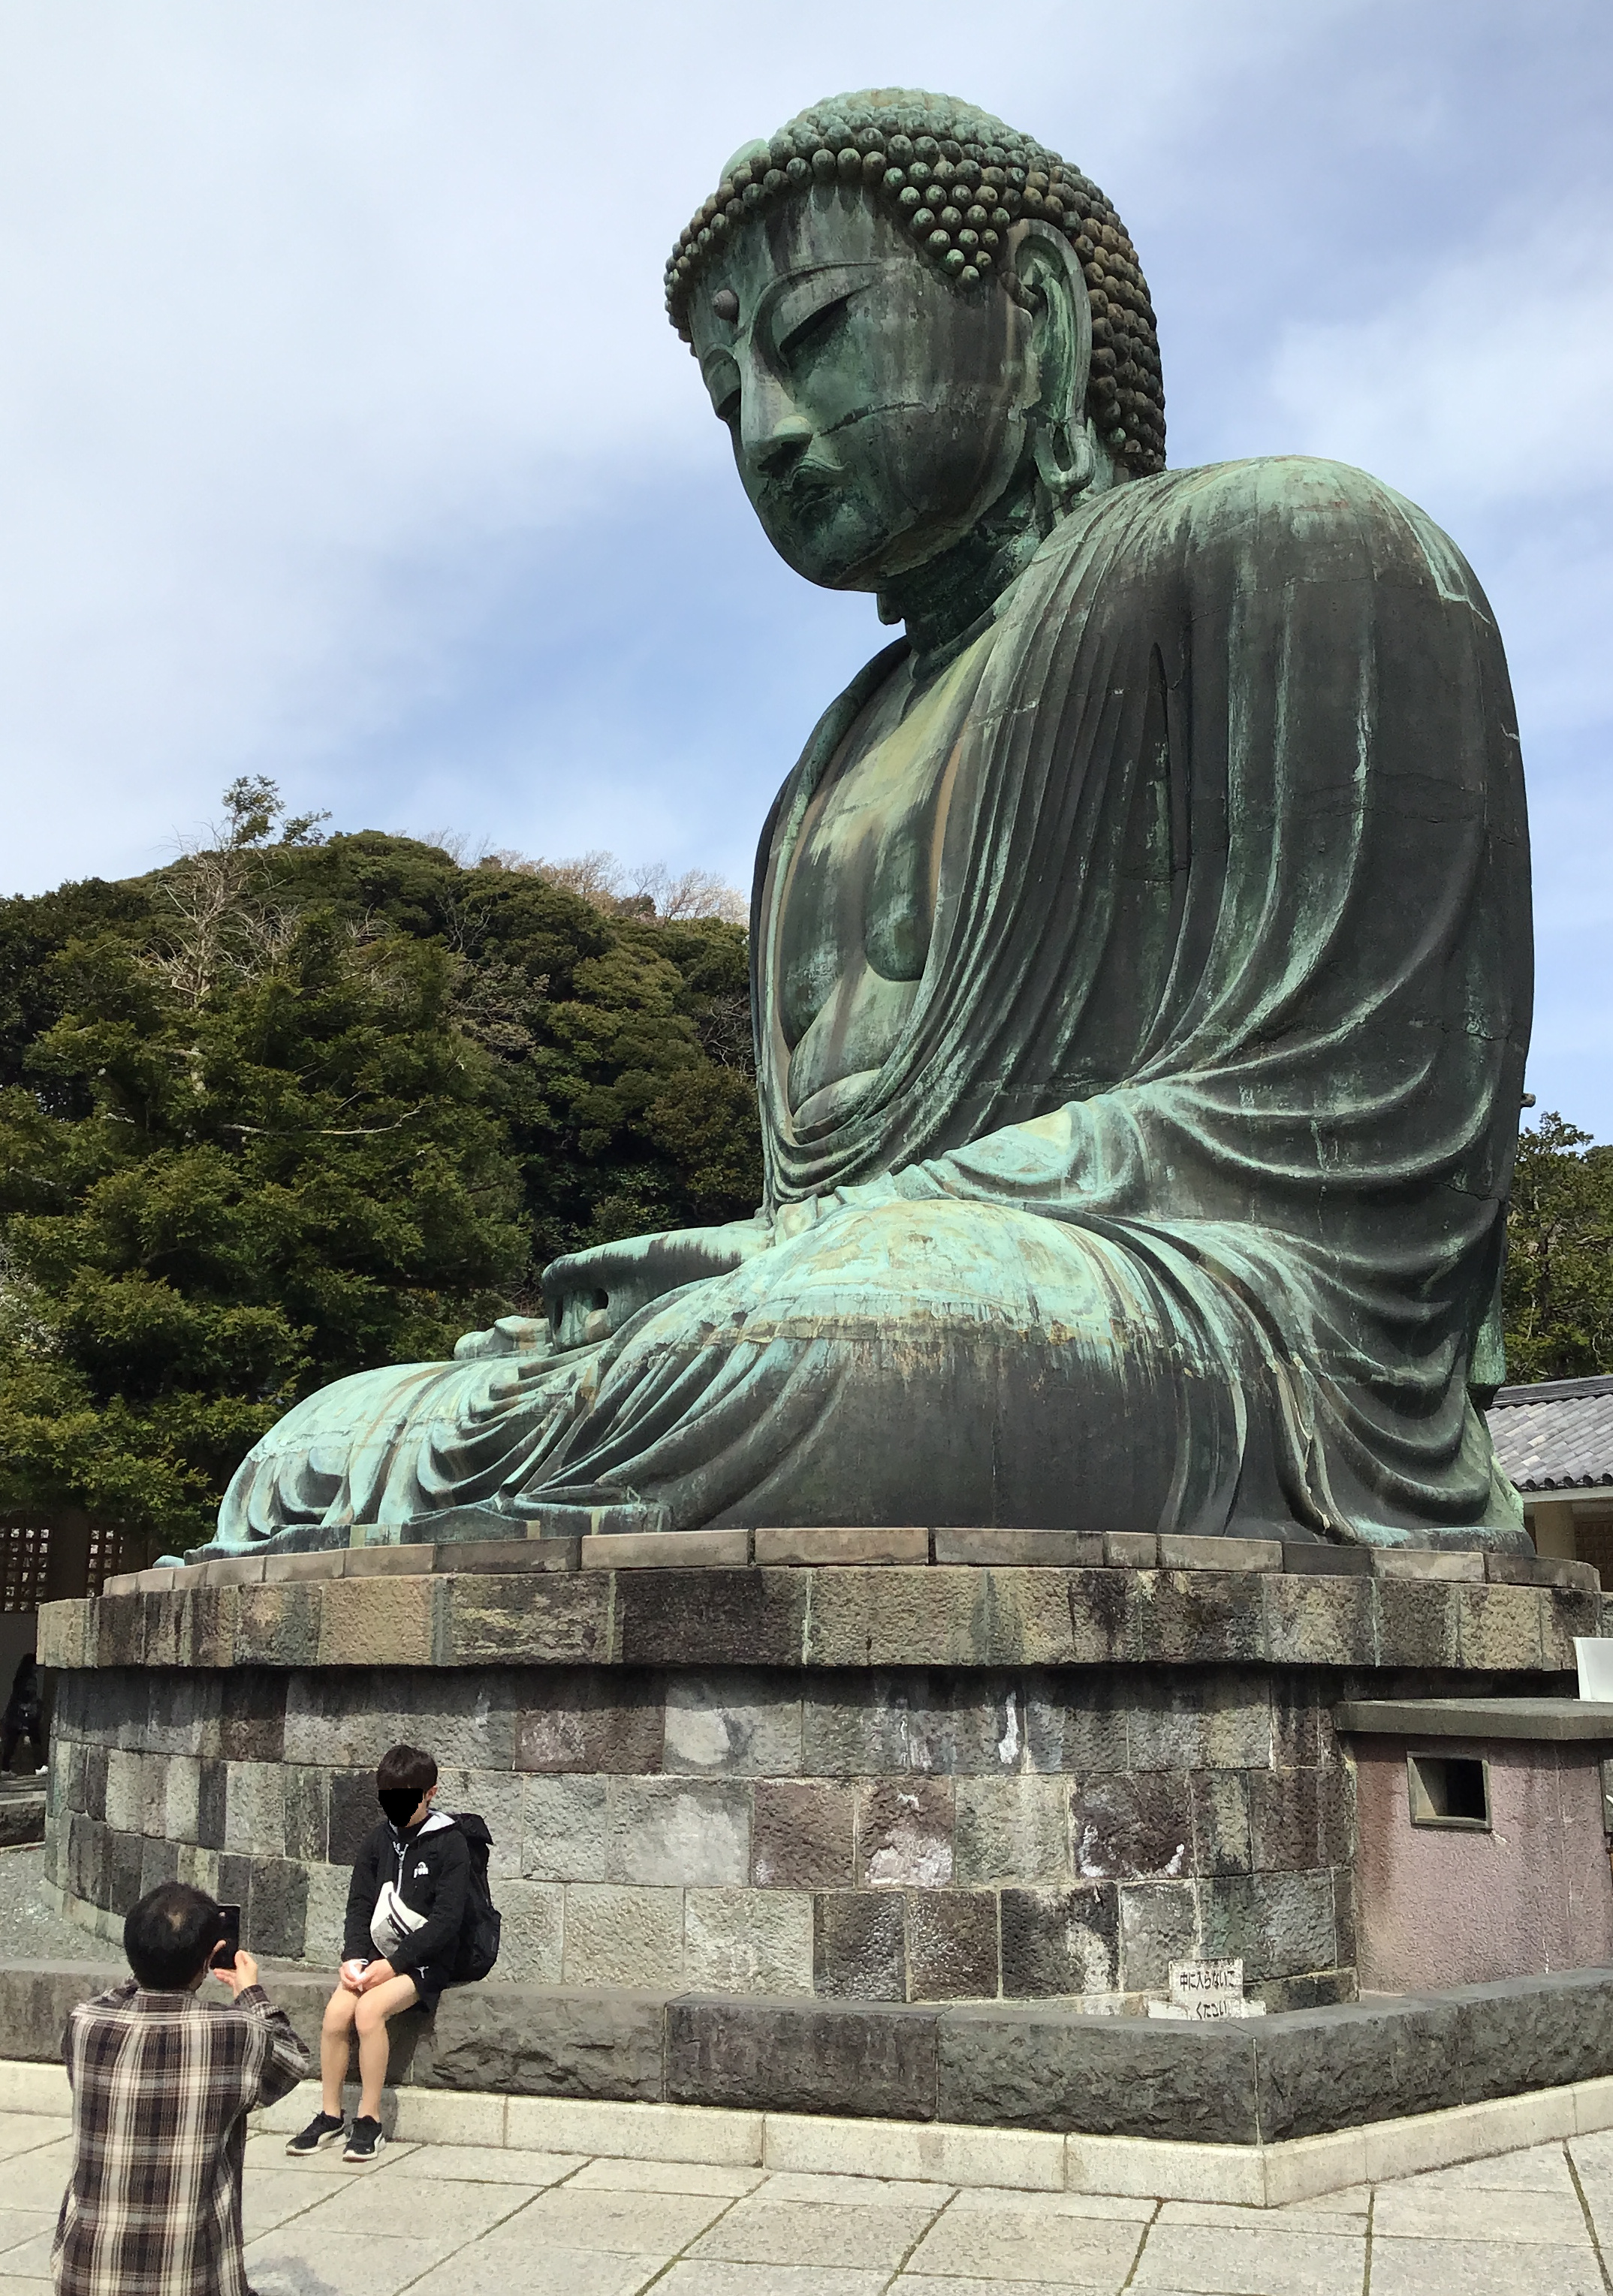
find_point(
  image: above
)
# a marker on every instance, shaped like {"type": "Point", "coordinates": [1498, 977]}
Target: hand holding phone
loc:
{"type": "Point", "coordinates": [242, 1972]}
{"type": "Point", "coordinates": [229, 1937]}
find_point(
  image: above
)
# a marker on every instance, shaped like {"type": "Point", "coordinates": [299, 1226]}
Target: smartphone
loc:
{"type": "Point", "coordinates": [229, 1937]}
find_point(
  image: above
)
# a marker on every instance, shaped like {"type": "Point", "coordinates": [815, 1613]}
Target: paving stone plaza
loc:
{"type": "Point", "coordinates": [444, 2220]}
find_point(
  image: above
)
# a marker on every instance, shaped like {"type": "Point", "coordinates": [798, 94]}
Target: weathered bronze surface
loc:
{"type": "Point", "coordinates": [1141, 952]}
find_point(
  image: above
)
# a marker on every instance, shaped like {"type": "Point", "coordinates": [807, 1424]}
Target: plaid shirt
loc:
{"type": "Point", "coordinates": [162, 2084]}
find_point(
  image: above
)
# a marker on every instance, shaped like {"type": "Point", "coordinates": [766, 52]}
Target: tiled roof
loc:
{"type": "Point", "coordinates": [1557, 1435]}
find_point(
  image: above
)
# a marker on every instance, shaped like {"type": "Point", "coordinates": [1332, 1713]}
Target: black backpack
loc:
{"type": "Point", "coordinates": [480, 1929]}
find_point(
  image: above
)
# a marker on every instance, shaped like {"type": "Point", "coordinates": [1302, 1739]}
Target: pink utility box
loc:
{"type": "Point", "coordinates": [1483, 1830]}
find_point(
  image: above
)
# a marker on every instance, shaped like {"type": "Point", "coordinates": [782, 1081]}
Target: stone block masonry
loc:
{"type": "Point", "coordinates": [919, 1834]}
{"type": "Point", "coordinates": [1412, 1610]}
{"type": "Point", "coordinates": [868, 1780]}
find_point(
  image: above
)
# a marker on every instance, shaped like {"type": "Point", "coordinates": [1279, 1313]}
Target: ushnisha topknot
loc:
{"type": "Point", "coordinates": [957, 178]}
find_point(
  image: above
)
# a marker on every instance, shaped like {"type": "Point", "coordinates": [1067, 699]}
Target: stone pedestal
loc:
{"type": "Point", "coordinates": [919, 1782]}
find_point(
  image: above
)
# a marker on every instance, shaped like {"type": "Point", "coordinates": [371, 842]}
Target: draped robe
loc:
{"type": "Point", "coordinates": [1178, 1203]}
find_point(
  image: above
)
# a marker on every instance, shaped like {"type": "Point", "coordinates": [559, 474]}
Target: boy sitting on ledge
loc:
{"type": "Point", "coordinates": [401, 1946]}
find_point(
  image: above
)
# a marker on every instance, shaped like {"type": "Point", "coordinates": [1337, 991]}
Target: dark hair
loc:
{"type": "Point", "coordinates": [169, 1935]}
{"type": "Point", "coordinates": [956, 179]}
{"type": "Point", "coordinates": [404, 1766]}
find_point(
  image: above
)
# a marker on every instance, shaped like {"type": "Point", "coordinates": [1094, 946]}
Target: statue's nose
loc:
{"type": "Point", "coordinates": [784, 444]}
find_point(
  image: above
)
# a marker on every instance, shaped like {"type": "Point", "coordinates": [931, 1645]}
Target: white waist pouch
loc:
{"type": "Point", "coordinates": [392, 1924]}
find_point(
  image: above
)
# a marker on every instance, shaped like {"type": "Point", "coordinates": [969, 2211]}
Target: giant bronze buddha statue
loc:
{"type": "Point", "coordinates": [1140, 951]}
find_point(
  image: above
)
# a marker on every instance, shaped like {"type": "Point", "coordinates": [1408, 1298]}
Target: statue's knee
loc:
{"type": "Point", "coordinates": [954, 1264]}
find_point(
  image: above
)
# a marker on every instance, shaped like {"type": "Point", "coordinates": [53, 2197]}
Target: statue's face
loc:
{"type": "Point", "coordinates": [876, 413]}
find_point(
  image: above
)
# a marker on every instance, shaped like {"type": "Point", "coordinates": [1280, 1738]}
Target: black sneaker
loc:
{"type": "Point", "coordinates": [365, 2139]}
{"type": "Point", "coordinates": [323, 2129]}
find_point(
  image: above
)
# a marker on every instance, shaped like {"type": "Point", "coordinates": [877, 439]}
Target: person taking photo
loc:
{"type": "Point", "coordinates": [162, 2081]}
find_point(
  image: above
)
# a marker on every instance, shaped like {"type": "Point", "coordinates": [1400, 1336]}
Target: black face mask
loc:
{"type": "Point", "coordinates": [400, 1802]}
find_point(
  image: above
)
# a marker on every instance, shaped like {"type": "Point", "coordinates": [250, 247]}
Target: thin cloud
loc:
{"type": "Point", "coordinates": [1491, 385]}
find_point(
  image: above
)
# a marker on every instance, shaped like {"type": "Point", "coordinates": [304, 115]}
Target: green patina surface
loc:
{"type": "Point", "coordinates": [1141, 961]}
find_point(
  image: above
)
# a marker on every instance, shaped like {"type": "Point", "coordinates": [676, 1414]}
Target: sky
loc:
{"type": "Point", "coordinates": [343, 439]}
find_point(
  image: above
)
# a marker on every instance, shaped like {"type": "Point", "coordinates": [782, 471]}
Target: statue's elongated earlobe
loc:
{"type": "Point", "coordinates": [1051, 289]}
{"type": "Point", "coordinates": [1065, 458]}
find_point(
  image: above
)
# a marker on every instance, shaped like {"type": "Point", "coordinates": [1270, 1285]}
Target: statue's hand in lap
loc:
{"type": "Point", "coordinates": [511, 1335]}
{"type": "Point", "coordinates": [590, 1294]}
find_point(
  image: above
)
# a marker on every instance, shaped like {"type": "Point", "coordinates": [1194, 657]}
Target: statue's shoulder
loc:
{"type": "Point", "coordinates": [1306, 486]}
{"type": "Point", "coordinates": [1290, 513]}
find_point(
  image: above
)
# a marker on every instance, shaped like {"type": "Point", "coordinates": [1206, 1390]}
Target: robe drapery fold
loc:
{"type": "Point", "coordinates": [1179, 1201]}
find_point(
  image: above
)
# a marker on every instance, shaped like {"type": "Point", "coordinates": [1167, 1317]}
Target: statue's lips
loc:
{"type": "Point", "coordinates": [804, 490]}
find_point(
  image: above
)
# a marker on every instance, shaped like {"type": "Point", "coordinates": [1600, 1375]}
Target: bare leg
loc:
{"type": "Point", "coordinates": [335, 2047]}
{"type": "Point", "coordinates": [374, 2008]}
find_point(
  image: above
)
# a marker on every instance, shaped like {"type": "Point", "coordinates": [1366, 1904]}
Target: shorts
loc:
{"type": "Point", "coordinates": [432, 1980]}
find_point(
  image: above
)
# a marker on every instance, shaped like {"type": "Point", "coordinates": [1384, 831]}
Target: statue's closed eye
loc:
{"type": "Point", "coordinates": [812, 333]}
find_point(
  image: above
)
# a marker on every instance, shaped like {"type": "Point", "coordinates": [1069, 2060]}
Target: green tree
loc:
{"type": "Point", "coordinates": [210, 1203]}
{"type": "Point", "coordinates": [292, 1107]}
{"type": "Point", "coordinates": [1559, 1290]}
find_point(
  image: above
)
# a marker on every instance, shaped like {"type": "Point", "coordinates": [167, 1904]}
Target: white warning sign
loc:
{"type": "Point", "coordinates": [1204, 1992]}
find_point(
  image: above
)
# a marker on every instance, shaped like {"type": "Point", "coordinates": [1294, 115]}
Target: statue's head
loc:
{"type": "Point", "coordinates": [905, 312]}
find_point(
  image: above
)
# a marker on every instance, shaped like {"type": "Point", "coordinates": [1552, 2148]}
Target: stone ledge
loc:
{"type": "Point", "coordinates": [1295, 2075]}
{"type": "Point", "coordinates": [646, 1550]}
{"type": "Point", "coordinates": [1256, 2175]}
{"type": "Point", "coordinates": [814, 1545]}
{"type": "Point", "coordinates": [21, 1813]}
{"type": "Point", "coordinates": [1559, 1720]}
{"type": "Point", "coordinates": [670, 1602]}
{"type": "Point", "coordinates": [817, 1547]}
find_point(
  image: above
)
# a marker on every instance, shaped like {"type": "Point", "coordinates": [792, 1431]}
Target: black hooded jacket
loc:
{"type": "Point", "coordinates": [430, 1868]}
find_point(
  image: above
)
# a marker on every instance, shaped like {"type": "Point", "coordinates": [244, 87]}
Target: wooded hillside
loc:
{"type": "Point", "coordinates": [289, 1109]}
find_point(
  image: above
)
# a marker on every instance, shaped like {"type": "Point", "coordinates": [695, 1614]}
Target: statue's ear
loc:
{"type": "Point", "coordinates": [1053, 287]}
